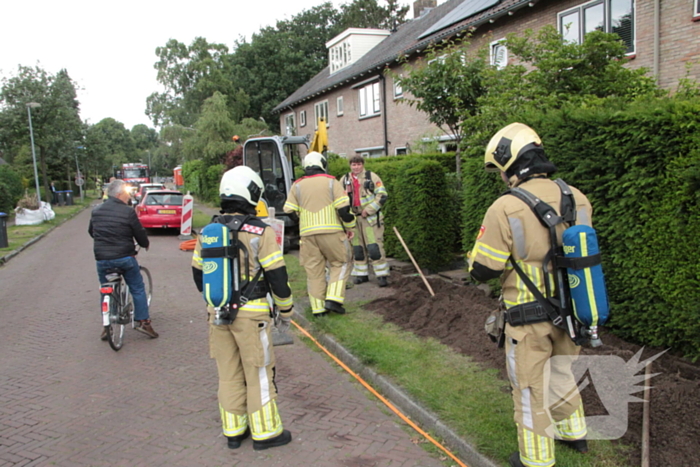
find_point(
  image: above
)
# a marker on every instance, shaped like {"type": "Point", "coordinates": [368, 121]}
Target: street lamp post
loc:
{"type": "Point", "coordinates": [31, 135]}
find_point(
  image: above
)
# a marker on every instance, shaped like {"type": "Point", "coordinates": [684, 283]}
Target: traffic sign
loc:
{"type": "Point", "coordinates": [79, 181]}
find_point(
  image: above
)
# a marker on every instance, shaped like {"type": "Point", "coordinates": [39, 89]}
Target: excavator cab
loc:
{"type": "Point", "coordinates": [274, 159]}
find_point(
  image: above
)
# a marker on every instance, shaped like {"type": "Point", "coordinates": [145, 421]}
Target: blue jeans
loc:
{"type": "Point", "coordinates": [132, 275]}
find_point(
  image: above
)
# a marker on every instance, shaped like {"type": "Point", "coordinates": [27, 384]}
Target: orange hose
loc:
{"type": "Point", "coordinates": [188, 245]}
{"type": "Point", "coordinates": [380, 397]}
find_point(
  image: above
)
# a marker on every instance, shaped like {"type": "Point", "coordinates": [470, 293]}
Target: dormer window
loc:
{"type": "Point", "coordinates": [340, 56]}
{"type": "Point", "coordinates": [349, 46]}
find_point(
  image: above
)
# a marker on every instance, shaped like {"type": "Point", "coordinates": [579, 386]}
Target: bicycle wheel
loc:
{"type": "Point", "coordinates": [148, 284]}
{"type": "Point", "coordinates": [115, 330]}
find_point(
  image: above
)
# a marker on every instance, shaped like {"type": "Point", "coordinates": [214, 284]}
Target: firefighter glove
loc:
{"type": "Point", "coordinates": [284, 320]}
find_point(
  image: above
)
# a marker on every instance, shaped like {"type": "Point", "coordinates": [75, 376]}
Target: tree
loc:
{"type": "Point", "coordinates": [110, 142]}
{"type": "Point", "coordinates": [56, 122]}
{"type": "Point", "coordinates": [446, 85]}
{"type": "Point", "coordinates": [369, 14]}
{"type": "Point", "coordinates": [215, 128]}
{"type": "Point", "coordinates": [278, 60]}
{"type": "Point", "coordinates": [190, 75]}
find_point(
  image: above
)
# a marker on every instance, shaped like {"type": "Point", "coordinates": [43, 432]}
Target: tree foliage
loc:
{"type": "Point", "coordinates": [56, 122]}
{"type": "Point", "coordinates": [260, 73]}
{"type": "Point", "coordinates": [446, 84]}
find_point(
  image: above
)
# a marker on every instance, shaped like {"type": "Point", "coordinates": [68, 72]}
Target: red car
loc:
{"type": "Point", "coordinates": [160, 209]}
{"type": "Point", "coordinates": [146, 187]}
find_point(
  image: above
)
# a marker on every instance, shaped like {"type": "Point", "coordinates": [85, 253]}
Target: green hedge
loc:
{"type": "Point", "coordinates": [202, 180]}
{"type": "Point", "coordinates": [10, 189]}
{"type": "Point", "coordinates": [639, 164]}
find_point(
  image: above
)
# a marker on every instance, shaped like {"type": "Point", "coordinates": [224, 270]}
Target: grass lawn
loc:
{"type": "Point", "coordinates": [473, 401]}
{"type": "Point", "coordinates": [18, 235]}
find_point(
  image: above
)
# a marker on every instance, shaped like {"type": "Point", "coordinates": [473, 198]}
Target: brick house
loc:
{"type": "Point", "coordinates": [363, 106]}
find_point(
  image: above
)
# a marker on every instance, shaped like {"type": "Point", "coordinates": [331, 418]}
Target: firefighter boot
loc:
{"type": "Point", "coordinates": [334, 307]}
{"type": "Point", "coordinates": [579, 445]}
{"type": "Point", "coordinates": [280, 440]}
{"type": "Point", "coordinates": [382, 281]}
{"type": "Point", "coordinates": [514, 460]}
{"type": "Point", "coordinates": [234, 442]}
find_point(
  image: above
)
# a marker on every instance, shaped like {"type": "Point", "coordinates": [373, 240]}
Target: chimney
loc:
{"type": "Point", "coordinates": [421, 7]}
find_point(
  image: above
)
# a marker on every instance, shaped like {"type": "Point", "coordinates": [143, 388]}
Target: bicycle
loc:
{"type": "Point", "coordinates": [118, 305]}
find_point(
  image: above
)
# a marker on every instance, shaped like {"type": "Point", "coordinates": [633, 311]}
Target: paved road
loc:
{"type": "Point", "coordinates": [67, 399]}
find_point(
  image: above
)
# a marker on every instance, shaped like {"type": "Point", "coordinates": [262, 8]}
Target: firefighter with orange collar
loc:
{"type": "Point", "coordinates": [367, 196]}
{"type": "Point", "coordinates": [242, 343]}
{"type": "Point", "coordinates": [325, 226]}
{"type": "Point", "coordinates": [512, 234]}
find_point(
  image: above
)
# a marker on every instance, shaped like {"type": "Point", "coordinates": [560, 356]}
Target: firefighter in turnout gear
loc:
{"type": "Point", "coordinates": [243, 349]}
{"type": "Point", "coordinates": [325, 227]}
{"type": "Point", "coordinates": [546, 408]}
{"type": "Point", "coordinates": [367, 196]}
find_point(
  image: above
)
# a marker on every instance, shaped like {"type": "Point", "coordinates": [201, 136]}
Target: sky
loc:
{"type": "Point", "coordinates": [109, 48]}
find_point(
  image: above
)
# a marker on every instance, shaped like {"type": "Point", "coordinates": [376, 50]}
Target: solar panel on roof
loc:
{"type": "Point", "coordinates": [466, 9]}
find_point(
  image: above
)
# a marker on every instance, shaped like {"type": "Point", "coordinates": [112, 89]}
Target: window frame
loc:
{"type": "Point", "coordinates": [324, 106]}
{"type": "Point", "coordinates": [398, 89]}
{"type": "Point", "coordinates": [302, 118]}
{"type": "Point", "coordinates": [580, 10]}
{"type": "Point", "coordinates": [369, 99]}
{"type": "Point", "coordinates": [290, 116]}
{"type": "Point", "coordinates": [493, 46]}
{"type": "Point", "coordinates": [696, 13]}
{"type": "Point", "coordinates": [404, 151]}
{"type": "Point", "coordinates": [339, 106]}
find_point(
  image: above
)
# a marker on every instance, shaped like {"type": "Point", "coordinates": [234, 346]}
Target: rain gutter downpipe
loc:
{"type": "Point", "coordinates": [384, 116]}
{"type": "Point", "coordinates": [657, 27]}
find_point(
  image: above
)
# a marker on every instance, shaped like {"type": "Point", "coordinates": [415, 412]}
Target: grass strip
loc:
{"type": "Point", "coordinates": [475, 402]}
{"type": "Point", "coordinates": [20, 235]}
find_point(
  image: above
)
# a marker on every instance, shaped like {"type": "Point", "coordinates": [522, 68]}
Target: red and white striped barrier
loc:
{"type": "Point", "coordinates": [186, 220]}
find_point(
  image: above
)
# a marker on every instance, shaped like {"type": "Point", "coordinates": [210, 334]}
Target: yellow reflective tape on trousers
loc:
{"type": "Point", "coordinates": [589, 280]}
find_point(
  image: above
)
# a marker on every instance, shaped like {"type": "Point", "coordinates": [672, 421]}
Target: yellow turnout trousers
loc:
{"type": "Point", "coordinates": [368, 246]}
{"type": "Point", "coordinates": [246, 364]}
{"type": "Point", "coordinates": [315, 251]}
{"type": "Point", "coordinates": [545, 395]}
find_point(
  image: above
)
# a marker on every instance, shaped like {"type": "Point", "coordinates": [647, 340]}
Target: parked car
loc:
{"type": "Point", "coordinates": [145, 187]}
{"type": "Point", "coordinates": [160, 209]}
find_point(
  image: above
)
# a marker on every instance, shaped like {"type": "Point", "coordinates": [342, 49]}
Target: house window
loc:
{"type": "Point", "coordinates": [498, 54]}
{"type": "Point", "coordinates": [320, 111]}
{"type": "Point", "coordinates": [697, 8]}
{"type": "Point", "coordinates": [369, 100]}
{"type": "Point", "coordinates": [398, 90]}
{"type": "Point", "coordinates": [290, 124]}
{"type": "Point", "coordinates": [615, 16]}
{"type": "Point", "coordinates": [401, 151]}
{"type": "Point", "coordinates": [339, 56]}
{"type": "Point", "coordinates": [302, 118]}
{"type": "Point", "coordinates": [339, 106]}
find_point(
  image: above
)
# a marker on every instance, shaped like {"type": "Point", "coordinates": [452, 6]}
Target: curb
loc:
{"type": "Point", "coordinates": [13, 253]}
{"type": "Point", "coordinates": [428, 420]}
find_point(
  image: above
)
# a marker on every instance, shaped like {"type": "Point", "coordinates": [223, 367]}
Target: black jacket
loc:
{"type": "Point", "coordinates": [114, 226]}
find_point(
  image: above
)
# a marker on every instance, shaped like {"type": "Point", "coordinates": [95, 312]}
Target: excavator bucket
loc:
{"type": "Point", "coordinates": [320, 141]}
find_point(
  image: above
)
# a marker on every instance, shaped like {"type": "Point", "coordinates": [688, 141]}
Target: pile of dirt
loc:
{"type": "Point", "coordinates": [456, 316]}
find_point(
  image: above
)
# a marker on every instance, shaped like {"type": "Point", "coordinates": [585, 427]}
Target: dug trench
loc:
{"type": "Point", "coordinates": [456, 314]}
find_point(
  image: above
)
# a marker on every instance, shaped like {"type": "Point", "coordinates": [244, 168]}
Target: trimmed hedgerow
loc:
{"type": "Point", "coordinates": [639, 164]}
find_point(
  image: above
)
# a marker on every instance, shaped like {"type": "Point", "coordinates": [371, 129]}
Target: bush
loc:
{"type": "Point", "coordinates": [10, 188]}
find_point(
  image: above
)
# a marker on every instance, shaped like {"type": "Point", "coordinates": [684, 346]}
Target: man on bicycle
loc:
{"type": "Point", "coordinates": [114, 226]}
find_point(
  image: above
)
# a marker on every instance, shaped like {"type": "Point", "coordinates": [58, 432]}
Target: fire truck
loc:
{"type": "Point", "coordinates": [135, 173]}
